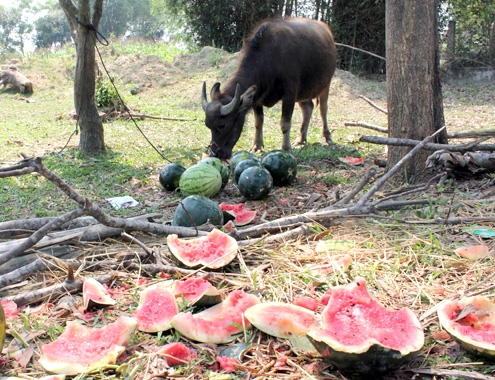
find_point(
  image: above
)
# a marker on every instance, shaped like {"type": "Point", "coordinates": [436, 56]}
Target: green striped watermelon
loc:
{"type": "Point", "coordinates": [220, 166]}
{"type": "Point", "coordinates": [200, 179]}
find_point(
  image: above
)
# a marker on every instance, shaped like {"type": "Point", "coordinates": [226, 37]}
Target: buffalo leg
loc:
{"type": "Point", "coordinates": [258, 124]}
{"type": "Point", "coordinates": [287, 111]}
{"type": "Point", "coordinates": [323, 98]}
{"type": "Point", "coordinates": [307, 110]}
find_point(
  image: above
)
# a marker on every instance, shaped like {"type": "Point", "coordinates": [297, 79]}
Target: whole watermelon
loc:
{"type": "Point", "coordinates": [204, 180]}
{"type": "Point", "coordinates": [170, 176]}
{"type": "Point", "coordinates": [281, 165]}
{"type": "Point", "coordinates": [238, 157]}
{"type": "Point", "coordinates": [196, 210]}
{"type": "Point", "coordinates": [255, 183]}
{"type": "Point", "coordinates": [243, 165]}
{"type": "Point", "coordinates": [220, 166]}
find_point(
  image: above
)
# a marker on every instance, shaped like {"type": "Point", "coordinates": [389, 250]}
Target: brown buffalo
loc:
{"type": "Point", "coordinates": [289, 60]}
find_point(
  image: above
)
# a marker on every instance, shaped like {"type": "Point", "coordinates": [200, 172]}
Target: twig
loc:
{"type": "Point", "coordinates": [395, 169]}
{"type": "Point", "coordinates": [361, 50]}
{"type": "Point", "coordinates": [349, 196]}
{"type": "Point", "coordinates": [374, 105]}
{"type": "Point", "coordinates": [157, 117]}
{"type": "Point", "coordinates": [366, 125]}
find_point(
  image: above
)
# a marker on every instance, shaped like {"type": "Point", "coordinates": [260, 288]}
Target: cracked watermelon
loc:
{"type": "Point", "coordinates": [197, 291]}
{"type": "Point", "coordinates": [174, 353]}
{"type": "Point", "coordinates": [82, 349]}
{"type": "Point", "coordinates": [213, 251]}
{"type": "Point", "coordinates": [361, 337]}
{"type": "Point", "coordinates": [218, 324]}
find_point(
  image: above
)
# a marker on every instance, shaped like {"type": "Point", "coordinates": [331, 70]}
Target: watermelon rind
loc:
{"type": "Point", "coordinates": [200, 179]}
{"type": "Point", "coordinates": [193, 252]}
{"type": "Point", "coordinates": [237, 213]}
{"type": "Point", "coordinates": [283, 320]}
{"type": "Point", "coordinates": [255, 183]}
{"type": "Point", "coordinates": [95, 295]}
{"type": "Point", "coordinates": [197, 292]}
{"type": "Point", "coordinates": [361, 337]}
{"type": "Point", "coordinates": [220, 166]}
{"type": "Point", "coordinates": [282, 166]}
{"type": "Point", "coordinates": [243, 165]}
{"type": "Point", "coordinates": [218, 324]}
{"type": "Point", "coordinates": [157, 306]}
{"type": "Point", "coordinates": [170, 176]}
{"type": "Point", "coordinates": [197, 210]}
{"type": "Point", "coordinates": [460, 333]}
{"type": "Point", "coordinates": [238, 157]}
{"type": "Point", "coordinates": [81, 349]}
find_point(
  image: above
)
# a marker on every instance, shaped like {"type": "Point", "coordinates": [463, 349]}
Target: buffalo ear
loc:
{"type": "Point", "coordinates": [215, 91]}
{"type": "Point", "coordinates": [248, 97]}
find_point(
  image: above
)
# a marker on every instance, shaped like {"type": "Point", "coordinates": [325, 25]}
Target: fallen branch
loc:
{"type": "Point", "coordinates": [154, 117]}
{"type": "Point", "coordinates": [470, 163]}
{"type": "Point", "coordinates": [429, 146]}
{"type": "Point", "coordinates": [374, 105]}
{"type": "Point", "coordinates": [452, 372]}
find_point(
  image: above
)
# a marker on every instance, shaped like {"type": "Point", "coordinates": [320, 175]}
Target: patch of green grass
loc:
{"type": "Point", "coordinates": [164, 51]}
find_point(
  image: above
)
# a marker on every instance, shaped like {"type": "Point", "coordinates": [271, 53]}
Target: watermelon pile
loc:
{"type": "Point", "coordinates": [253, 177]}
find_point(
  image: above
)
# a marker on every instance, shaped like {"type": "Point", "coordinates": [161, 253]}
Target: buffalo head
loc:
{"type": "Point", "coordinates": [225, 116]}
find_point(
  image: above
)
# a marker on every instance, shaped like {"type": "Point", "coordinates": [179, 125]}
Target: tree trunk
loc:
{"type": "Point", "coordinates": [415, 105]}
{"type": "Point", "coordinates": [451, 43]}
{"type": "Point", "coordinates": [91, 138]}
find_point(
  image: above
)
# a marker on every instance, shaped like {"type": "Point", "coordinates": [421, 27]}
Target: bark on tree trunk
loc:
{"type": "Point", "coordinates": [415, 105]}
{"type": "Point", "coordinates": [91, 138]}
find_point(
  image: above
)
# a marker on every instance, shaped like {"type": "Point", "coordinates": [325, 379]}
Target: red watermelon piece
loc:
{"type": "Point", "coordinates": [157, 306]}
{"type": "Point", "coordinates": [214, 250]}
{"type": "Point", "coordinates": [218, 324]}
{"type": "Point", "coordinates": [242, 216]}
{"type": "Point", "coordinates": [95, 294]}
{"type": "Point", "coordinates": [82, 349]}
{"type": "Point", "coordinates": [175, 353]}
{"type": "Point", "coordinates": [307, 303]}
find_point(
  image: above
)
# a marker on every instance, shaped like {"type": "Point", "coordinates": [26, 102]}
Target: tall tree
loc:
{"type": "Point", "coordinates": [415, 105]}
{"type": "Point", "coordinates": [84, 21]}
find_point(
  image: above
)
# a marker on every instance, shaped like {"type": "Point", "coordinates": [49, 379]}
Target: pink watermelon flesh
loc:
{"type": "Point", "coordinates": [195, 290]}
{"type": "Point", "coordinates": [242, 215]}
{"type": "Point", "coordinates": [175, 353]}
{"type": "Point", "coordinates": [157, 306]}
{"type": "Point", "coordinates": [283, 320]}
{"type": "Point", "coordinates": [470, 325]}
{"type": "Point", "coordinates": [353, 318]}
{"type": "Point", "coordinates": [307, 303]}
{"type": "Point", "coordinates": [214, 250]}
{"type": "Point", "coordinates": [80, 348]}
{"type": "Point", "coordinates": [95, 294]}
{"type": "Point", "coordinates": [218, 324]}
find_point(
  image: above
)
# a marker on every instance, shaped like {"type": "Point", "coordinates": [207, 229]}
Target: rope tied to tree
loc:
{"type": "Point", "coordinates": [98, 35]}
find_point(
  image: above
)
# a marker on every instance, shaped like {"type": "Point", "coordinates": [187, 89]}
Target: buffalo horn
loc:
{"type": "Point", "coordinates": [204, 101]}
{"type": "Point", "coordinates": [232, 106]}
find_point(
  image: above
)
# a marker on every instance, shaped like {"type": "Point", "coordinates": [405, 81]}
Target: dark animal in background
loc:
{"type": "Point", "coordinates": [15, 78]}
{"type": "Point", "coordinates": [289, 60]}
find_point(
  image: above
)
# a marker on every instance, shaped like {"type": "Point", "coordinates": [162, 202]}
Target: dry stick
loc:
{"type": "Point", "coordinates": [38, 235]}
{"type": "Point", "coordinates": [366, 125]}
{"type": "Point", "coordinates": [374, 105]}
{"type": "Point", "coordinates": [429, 146]}
{"type": "Point", "coordinates": [159, 117]}
{"type": "Point", "coordinates": [395, 169]}
{"type": "Point", "coordinates": [474, 287]}
{"type": "Point", "coordinates": [349, 196]}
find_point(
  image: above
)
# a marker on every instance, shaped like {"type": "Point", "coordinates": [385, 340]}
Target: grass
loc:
{"type": "Point", "coordinates": [405, 265]}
